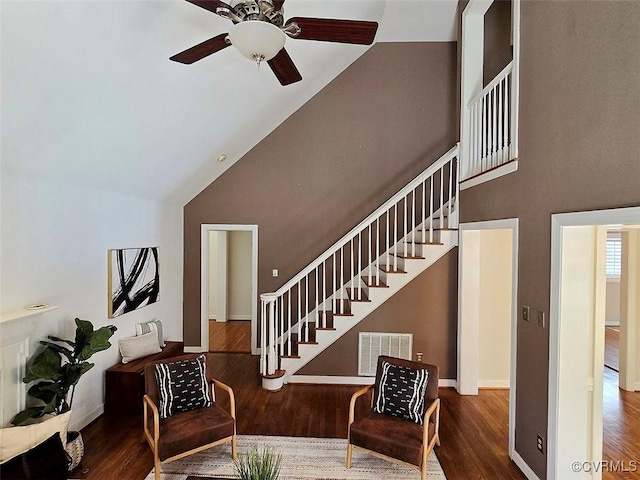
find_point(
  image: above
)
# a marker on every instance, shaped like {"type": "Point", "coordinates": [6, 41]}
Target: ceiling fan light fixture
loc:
{"type": "Point", "coordinates": [257, 40]}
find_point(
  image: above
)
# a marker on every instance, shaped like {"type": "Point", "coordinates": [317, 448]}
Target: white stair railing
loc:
{"type": "Point", "coordinates": [392, 231]}
{"type": "Point", "coordinates": [492, 126]}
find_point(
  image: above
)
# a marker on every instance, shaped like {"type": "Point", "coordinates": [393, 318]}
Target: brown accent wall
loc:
{"type": "Point", "coordinates": [497, 39]}
{"type": "Point", "coordinates": [426, 307]}
{"type": "Point", "coordinates": [579, 150]}
{"type": "Point", "coordinates": [351, 147]}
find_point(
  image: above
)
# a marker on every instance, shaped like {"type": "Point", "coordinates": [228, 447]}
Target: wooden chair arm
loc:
{"type": "Point", "coordinates": [232, 397]}
{"type": "Point", "coordinates": [354, 398]}
{"type": "Point", "coordinates": [147, 402]}
{"type": "Point", "coordinates": [434, 407]}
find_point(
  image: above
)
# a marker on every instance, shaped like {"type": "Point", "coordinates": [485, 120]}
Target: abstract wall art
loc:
{"type": "Point", "coordinates": [134, 279]}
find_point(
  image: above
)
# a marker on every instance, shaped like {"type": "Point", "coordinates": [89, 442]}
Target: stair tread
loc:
{"type": "Point", "coordinates": [408, 257]}
{"type": "Point", "coordinates": [325, 328]}
{"type": "Point", "coordinates": [343, 314]}
{"type": "Point", "coordinates": [363, 296]}
{"type": "Point", "coordinates": [380, 283]}
{"type": "Point", "coordinates": [426, 243]}
{"type": "Point", "coordinates": [289, 356]}
{"type": "Point", "coordinates": [307, 343]}
{"type": "Point", "coordinates": [392, 270]}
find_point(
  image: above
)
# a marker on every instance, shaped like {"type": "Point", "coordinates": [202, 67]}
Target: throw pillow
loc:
{"type": "Point", "coordinates": [139, 346]}
{"type": "Point", "coordinates": [401, 392]}
{"type": "Point", "coordinates": [48, 460]}
{"type": "Point", "coordinates": [142, 328]}
{"type": "Point", "coordinates": [183, 386]}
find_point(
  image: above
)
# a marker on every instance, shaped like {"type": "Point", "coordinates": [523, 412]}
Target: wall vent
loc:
{"type": "Point", "coordinates": [374, 344]}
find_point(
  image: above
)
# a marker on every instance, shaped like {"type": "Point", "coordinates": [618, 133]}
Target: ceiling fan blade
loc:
{"type": "Point", "coordinates": [284, 68]}
{"type": "Point", "coordinates": [210, 5]}
{"type": "Point", "coordinates": [341, 31]}
{"type": "Point", "coordinates": [201, 50]}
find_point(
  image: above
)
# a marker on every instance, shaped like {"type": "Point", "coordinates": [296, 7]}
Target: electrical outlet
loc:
{"type": "Point", "coordinates": [419, 356]}
{"type": "Point", "coordinates": [541, 319]}
{"type": "Point", "coordinates": [274, 272]}
{"type": "Point", "coordinates": [540, 444]}
{"type": "Point", "coordinates": [525, 313]}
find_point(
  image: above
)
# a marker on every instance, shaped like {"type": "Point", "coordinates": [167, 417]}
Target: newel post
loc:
{"type": "Point", "coordinates": [268, 358]}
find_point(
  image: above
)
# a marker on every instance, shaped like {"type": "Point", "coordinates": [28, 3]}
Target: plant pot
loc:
{"type": "Point", "coordinates": [75, 448]}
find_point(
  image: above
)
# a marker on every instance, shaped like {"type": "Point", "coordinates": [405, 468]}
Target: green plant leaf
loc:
{"type": "Point", "coordinates": [45, 391]}
{"type": "Point", "coordinates": [59, 348]}
{"type": "Point", "coordinates": [45, 365]}
{"type": "Point", "coordinates": [23, 416]}
{"type": "Point", "coordinates": [96, 342]}
{"type": "Point", "coordinates": [57, 339]}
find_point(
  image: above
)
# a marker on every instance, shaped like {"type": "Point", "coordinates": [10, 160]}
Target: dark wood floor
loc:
{"type": "Point", "coordinates": [612, 347]}
{"type": "Point", "coordinates": [474, 429]}
{"type": "Point", "coordinates": [232, 336]}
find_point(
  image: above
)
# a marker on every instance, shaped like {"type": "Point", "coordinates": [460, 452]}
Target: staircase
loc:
{"type": "Point", "coordinates": [382, 254]}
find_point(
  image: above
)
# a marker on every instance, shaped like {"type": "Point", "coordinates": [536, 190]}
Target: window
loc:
{"type": "Point", "coordinates": [614, 255]}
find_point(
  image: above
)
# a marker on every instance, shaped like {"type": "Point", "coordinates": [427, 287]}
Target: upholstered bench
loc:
{"type": "Point", "coordinates": [124, 386]}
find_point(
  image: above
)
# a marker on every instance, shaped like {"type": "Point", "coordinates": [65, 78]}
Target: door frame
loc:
{"type": "Point", "coordinates": [468, 340]}
{"type": "Point", "coordinates": [559, 459]}
{"type": "Point", "coordinates": [206, 229]}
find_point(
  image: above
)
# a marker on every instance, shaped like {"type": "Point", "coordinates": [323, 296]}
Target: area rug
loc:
{"type": "Point", "coordinates": [302, 459]}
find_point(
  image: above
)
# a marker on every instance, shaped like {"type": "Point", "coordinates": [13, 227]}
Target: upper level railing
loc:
{"type": "Point", "coordinates": [427, 203]}
{"type": "Point", "coordinates": [492, 125]}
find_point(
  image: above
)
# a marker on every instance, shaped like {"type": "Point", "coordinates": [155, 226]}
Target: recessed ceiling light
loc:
{"type": "Point", "coordinates": [222, 158]}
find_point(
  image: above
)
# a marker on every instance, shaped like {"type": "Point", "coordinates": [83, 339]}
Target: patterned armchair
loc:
{"type": "Point", "coordinates": [182, 411]}
{"type": "Point", "coordinates": [403, 423]}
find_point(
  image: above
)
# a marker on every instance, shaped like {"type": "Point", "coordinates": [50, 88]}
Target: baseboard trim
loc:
{"type": "Point", "coordinates": [331, 380]}
{"type": "Point", "coordinates": [344, 380]}
{"type": "Point", "coordinates": [194, 349]}
{"type": "Point", "coordinates": [233, 318]}
{"type": "Point", "coordinates": [78, 425]}
{"type": "Point", "coordinates": [522, 465]}
{"type": "Point", "coordinates": [494, 384]}
{"type": "Point", "coordinates": [636, 387]}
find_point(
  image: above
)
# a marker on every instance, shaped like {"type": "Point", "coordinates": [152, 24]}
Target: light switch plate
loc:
{"type": "Point", "coordinates": [525, 313]}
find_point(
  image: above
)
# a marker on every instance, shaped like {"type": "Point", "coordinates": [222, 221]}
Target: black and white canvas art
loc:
{"type": "Point", "coordinates": [134, 279]}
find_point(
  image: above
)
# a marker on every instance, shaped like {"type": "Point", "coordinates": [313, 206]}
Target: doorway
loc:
{"type": "Point", "coordinates": [229, 288]}
{"type": "Point", "coordinates": [577, 333]}
{"type": "Point", "coordinates": [487, 311]}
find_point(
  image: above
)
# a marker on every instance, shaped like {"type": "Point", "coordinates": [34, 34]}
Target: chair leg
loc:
{"type": "Point", "coordinates": [438, 440]}
{"type": "Point", "coordinates": [423, 471]}
{"type": "Point", "coordinates": [349, 453]}
{"type": "Point", "coordinates": [234, 448]}
{"type": "Point", "coordinates": [156, 466]}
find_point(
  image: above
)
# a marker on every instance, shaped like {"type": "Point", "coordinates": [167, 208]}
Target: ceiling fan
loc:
{"type": "Point", "coordinates": [259, 32]}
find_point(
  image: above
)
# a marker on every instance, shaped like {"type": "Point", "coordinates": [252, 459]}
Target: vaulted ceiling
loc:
{"type": "Point", "coordinates": [89, 95]}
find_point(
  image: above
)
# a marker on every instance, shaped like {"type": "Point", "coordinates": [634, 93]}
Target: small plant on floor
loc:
{"type": "Point", "coordinates": [258, 464]}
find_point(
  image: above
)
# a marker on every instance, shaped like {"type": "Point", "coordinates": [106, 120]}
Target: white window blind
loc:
{"type": "Point", "coordinates": [614, 254]}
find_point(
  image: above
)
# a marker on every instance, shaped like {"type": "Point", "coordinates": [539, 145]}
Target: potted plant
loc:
{"type": "Point", "coordinates": [57, 370]}
{"type": "Point", "coordinates": [258, 465]}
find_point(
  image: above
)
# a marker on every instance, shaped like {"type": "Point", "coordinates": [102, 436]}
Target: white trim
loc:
{"type": "Point", "coordinates": [513, 225]}
{"type": "Point", "coordinates": [629, 215]}
{"type": "Point", "coordinates": [637, 387]}
{"type": "Point", "coordinates": [232, 318]}
{"type": "Point", "coordinates": [195, 349]}
{"type": "Point", "coordinates": [522, 465]}
{"type": "Point", "coordinates": [331, 380]}
{"type": "Point", "coordinates": [345, 380]}
{"type": "Point", "coordinates": [494, 384]}
{"type": "Point", "coordinates": [500, 171]}
{"type": "Point", "coordinates": [204, 282]}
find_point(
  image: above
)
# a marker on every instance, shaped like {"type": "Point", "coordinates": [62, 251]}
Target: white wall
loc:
{"type": "Point", "coordinates": [54, 238]}
{"type": "Point", "coordinates": [613, 302]}
{"type": "Point", "coordinates": [236, 290]}
{"type": "Point", "coordinates": [495, 308]}
{"type": "Point", "coordinates": [630, 311]}
{"type": "Point", "coordinates": [240, 275]}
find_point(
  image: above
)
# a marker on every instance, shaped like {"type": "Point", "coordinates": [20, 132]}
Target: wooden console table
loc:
{"type": "Point", "coordinates": [124, 384]}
